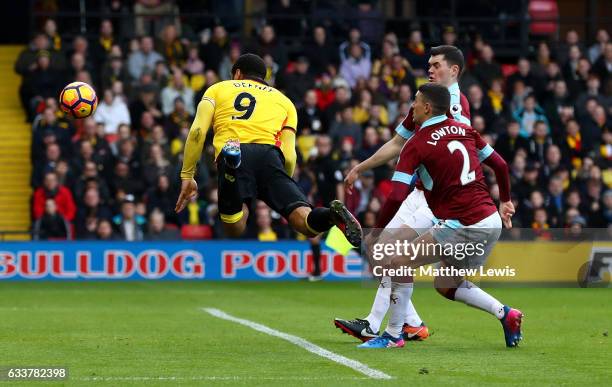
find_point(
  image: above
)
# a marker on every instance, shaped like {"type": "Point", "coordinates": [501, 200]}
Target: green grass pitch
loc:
{"type": "Point", "coordinates": [155, 333]}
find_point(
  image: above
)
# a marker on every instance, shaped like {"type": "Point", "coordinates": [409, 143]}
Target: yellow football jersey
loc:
{"type": "Point", "coordinates": [249, 111]}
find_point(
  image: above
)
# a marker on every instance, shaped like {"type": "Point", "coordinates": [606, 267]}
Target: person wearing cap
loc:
{"type": "Point", "coordinates": [254, 129]}
{"type": "Point", "coordinates": [449, 35]}
{"type": "Point", "coordinates": [129, 225]}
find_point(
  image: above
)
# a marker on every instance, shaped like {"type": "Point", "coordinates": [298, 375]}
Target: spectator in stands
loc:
{"type": "Point", "coordinates": [607, 207]}
{"type": "Point", "coordinates": [176, 89]}
{"type": "Point", "coordinates": [50, 129]}
{"type": "Point", "coordinates": [193, 64]}
{"type": "Point", "coordinates": [123, 181]}
{"type": "Point", "coordinates": [555, 104]}
{"type": "Point", "coordinates": [112, 112]}
{"type": "Point", "coordinates": [225, 68]}
{"type": "Point", "coordinates": [153, 15]}
{"type": "Point", "coordinates": [577, 82]}
{"type": "Point", "coordinates": [143, 58]}
{"type": "Point", "coordinates": [91, 178]}
{"type": "Point", "coordinates": [556, 201]}
{"type": "Point", "coordinates": [162, 197]}
{"type": "Point", "coordinates": [147, 102]}
{"type": "Point", "coordinates": [592, 126]}
{"type": "Point", "coordinates": [539, 142]}
{"type": "Point", "coordinates": [327, 172]}
{"type": "Point", "coordinates": [105, 232]}
{"type": "Point", "coordinates": [389, 49]}
{"type": "Point", "coordinates": [48, 163]}
{"type": "Point", "coordinates": [60, 194]}
{"type": "Point", "coordinates": [157, 137]}
{"type": "Point", "coordinates": [594, 212]}
{"type": "Point", "coordinates": [574, 152]}
{"type": "Point", "coordinates": [369, 21]}
{"type": "Point", "coordinates": [525, 75]}
{"type": "Point", "coordinates": [344, 127]}
{"type": "Point", "coordinates": [593, 91]}
{"type": "Point", "coordinates": [51, 226]}
{"type": "Point", "coordinates": [296, 83]}
{"type": "Point", "coordinates": [528, 115]}
{"type": "Point", "coordinates": [55, 39]}
{"type": "Point", "coordinates": [543, 58]}
{"type": "Point", "coordinates": [353, 38]}
{"type": "Point", "coordinates": [605, 149]}
{"type": "Point", "coordinates": [603, 65]}
{"type": "Point", "coordinates": [214, 51]}
{"type": "Point", "coordinates": [113, 70]}
{"type": "Point", "coordinates": [172, 48]}
{"type": "Point", "coordinates": [571, 39]}
{"type": "Point", "coordinates": [487, 69]}
{"type": "Point", "coordinates": [40, 83]}
{"type": "Point", "coordinates": [357, 65]}
{"type": "Point", "coordinates": [92, 208]}
{"type": "Point", "coordinates": [157, 164]}
{"type": "Point", "coordinates": [128, 155]}
{"type": "Point", "coordinates": [158, 231]}
{"type": "Point", "coordinates": [602, 38]}
{"type": "Point", "coordinates": [320, 51]}
{"type": "Point", "coordinates": [28, 63]}
{"type": "Point", "coordinates": [268, 44]}
{"type": "Point", "coordinates": [479, 105]}
{"type": "Point", "coordinates": [416, 54]}
{"type": "Point", "coordinates": [101, 48]}
{"type": "Point", "coordinates": [310, 118]}
{"type": "Point", "coordinates": [342, 99]}
{"type": "Point", "coordinates": [128, 224]}
{"type": "Point", "coordinates": [265, 232]}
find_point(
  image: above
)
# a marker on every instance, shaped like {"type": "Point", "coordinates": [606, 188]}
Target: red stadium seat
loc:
{"type": "Point", "coordinates": [508, 69]}
{"type": "Point", "coordinates": [543, 9]}
{"type": "Point", "coordinates": [196, 231]}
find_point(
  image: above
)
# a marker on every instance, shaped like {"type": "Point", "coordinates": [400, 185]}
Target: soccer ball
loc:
{"type": "Point", "coordinates": [78, 99]}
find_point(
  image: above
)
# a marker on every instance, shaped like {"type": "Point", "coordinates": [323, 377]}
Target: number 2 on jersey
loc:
{"type": "Point", "coordinates": [247, 109]}
{"type": "Point", "coordinates": [467, 176]}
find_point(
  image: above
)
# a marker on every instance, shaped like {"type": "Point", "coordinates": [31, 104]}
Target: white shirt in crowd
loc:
{"type": "Point", "coordinates": [112, 115]}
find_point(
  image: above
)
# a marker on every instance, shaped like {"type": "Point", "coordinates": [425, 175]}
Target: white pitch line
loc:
{"type": "Point", "coordinates": [307, 345]}
{"type": "Point", "coordinates": [203, 378]}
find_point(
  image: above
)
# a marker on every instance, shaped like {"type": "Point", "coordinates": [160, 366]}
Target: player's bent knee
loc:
{"type": "Point", "coordinates": [234, 230]}
{"type": "Point", "coordinates": [447, 292]}
{"type": "Point", "coordinates": [297, 220]}
{"type": "Point", "coordinates": [234, 225]}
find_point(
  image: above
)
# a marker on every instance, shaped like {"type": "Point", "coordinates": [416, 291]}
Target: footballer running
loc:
{"type": "Point", "coordinates": [447, 155]}
{"type": "Point", "coordinates": [254, 128]}
{"type": "Point", "coordinates": [412, 212]}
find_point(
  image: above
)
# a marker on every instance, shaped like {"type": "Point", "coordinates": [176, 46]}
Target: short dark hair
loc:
{"type": "Point", "coordinates": [250, 65]}
{"type": "Point", "coordinates": [452, 55]}
{"type": "Point", "coordinates": [437, 95]}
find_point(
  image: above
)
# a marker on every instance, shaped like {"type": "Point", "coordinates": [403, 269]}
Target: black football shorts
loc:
{"type": "Point", "coordinates": [261, 175]}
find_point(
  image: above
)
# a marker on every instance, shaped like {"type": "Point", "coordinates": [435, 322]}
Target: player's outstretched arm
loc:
{"type": "Point", "coordinates": [193, 152]}
{"type": "Point", "coordinates": [287, 147]}
{"type": "Point", "coordinates": [384, 154]}
{"type": "Point", "coordinates": [502, 175]}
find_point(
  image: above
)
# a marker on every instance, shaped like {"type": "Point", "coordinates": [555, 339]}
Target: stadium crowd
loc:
{"type": "Point", "coordinates": [115, 175]}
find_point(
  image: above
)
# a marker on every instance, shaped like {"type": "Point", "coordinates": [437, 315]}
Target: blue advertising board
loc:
{"type": "Point", "coordinates": [209, 260]}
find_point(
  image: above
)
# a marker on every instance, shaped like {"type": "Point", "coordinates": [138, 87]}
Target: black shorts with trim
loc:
{"type": "Point", "coordinates": [261, 175]}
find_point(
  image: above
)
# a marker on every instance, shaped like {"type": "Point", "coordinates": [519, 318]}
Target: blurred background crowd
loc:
{"type": "Point", "coordinates": [115, 175]}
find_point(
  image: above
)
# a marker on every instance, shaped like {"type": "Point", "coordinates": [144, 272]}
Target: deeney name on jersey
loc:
{"type": "Point", "coordinates": [252, 85]}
